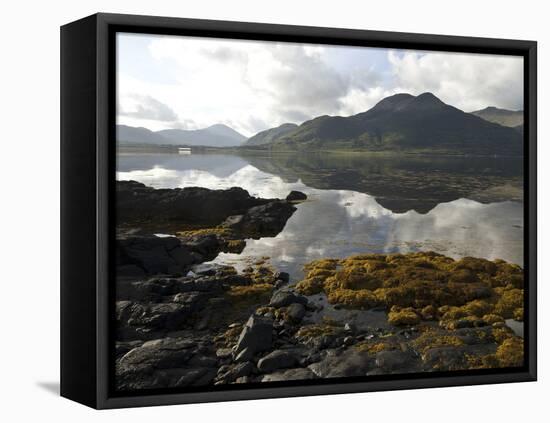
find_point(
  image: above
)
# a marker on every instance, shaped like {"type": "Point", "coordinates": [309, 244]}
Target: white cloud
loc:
{"type": "Point", "coordinates": [145, 107]}
{"type": "Point", "coordinates": [467, 81]}
{"type": "Point", "coordinates": [192, 82]}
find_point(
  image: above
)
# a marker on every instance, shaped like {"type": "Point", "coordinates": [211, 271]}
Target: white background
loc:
{"type": "Point", "coordinates": [29, 296]}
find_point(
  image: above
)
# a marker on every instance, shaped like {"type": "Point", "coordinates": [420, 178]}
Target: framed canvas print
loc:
{"type": "Point", "coordinates": [256, 211]}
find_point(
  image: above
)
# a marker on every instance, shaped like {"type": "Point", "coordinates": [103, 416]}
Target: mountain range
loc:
{"type": "Point", "coordinates": [270, 135]}
{"type": "Point", "coordinates": [213, 136]}
{"type": "Point", "coordinates": [401, 122]}
{"type": "Point", "coordinates": [511, 118]}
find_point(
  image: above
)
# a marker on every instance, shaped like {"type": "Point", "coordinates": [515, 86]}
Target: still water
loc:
{"type": "Point", "coordinates": [455, 206]}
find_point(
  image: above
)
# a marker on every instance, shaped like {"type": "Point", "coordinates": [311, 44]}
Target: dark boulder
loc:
{"type": "Point", "coordinates": [154, 254]}
{"type": "Point", "coordinates": [286, 298]}
{"type": "Point", "coordinates": [295, 312]}
{"type": "Point", "coordinates": [394, 360]}
{"type": "Point", "coordinates": [256, 336]}
{"type": "Point", "coordinates": [141, 205]}
{"type": "Point", "coordinates": [237, 371]}
{"type": "Point", "coordinates": [278, 359]}
{"type": "Point", "coordinates": [296, 196]}
{"type": "Point", "coordinates": [282, 276]}
{"type": "Point", "coordinates": [289, 374]}
{"type": "Point", "coordinates": [265, 220]}
{"type": "Point", "coordinates": [351, 362]}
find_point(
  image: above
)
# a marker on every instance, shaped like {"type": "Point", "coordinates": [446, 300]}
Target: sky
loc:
{"type": "Point", "coordinates": [166, 82]}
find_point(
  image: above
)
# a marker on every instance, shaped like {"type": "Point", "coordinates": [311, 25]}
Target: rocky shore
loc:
{"type": "Point", "coordinates": [182, 322]}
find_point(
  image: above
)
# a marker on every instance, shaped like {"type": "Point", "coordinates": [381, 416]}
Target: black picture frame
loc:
{"type": "Point", "coordinates": [87, 178]}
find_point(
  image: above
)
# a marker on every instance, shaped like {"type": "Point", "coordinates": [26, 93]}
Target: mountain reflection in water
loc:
{"type": "Point", "coordinates": [456, 206]}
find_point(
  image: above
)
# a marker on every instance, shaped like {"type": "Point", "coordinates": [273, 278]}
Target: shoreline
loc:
{"type": "Point", "coordinates": [181, 322]}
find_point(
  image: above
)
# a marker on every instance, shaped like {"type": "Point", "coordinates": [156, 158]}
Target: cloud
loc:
{"type": "Point", "coordinates": [191, 82]}
{"type": "Point", "coordinates": [467, 81]}
{"type": "Point", "coordinates": [145, 107]}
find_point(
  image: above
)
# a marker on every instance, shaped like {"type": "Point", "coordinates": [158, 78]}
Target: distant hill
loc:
{"type": "Point", "coordinates": [405, 123]}
{"type": "Point", "coordinates": [213, 136]}
{"type": "Point", "coordinates": [269, 135]}
{"type": "Point", "coordinates": [132, 135]}
{"type": "Point", "coordinates": [503, 117]}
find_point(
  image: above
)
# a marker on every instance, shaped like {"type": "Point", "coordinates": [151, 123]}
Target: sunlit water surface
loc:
{"type": "Point", "coordinates": [339, 222]}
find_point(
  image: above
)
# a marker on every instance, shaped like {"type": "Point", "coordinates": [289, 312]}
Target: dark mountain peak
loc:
{"type": "Point", "coordinates": [269, 135]}
{"type": "Point", "coordinates": [393, 102]}
{"type": "Point", "coordinates": [426, 100]}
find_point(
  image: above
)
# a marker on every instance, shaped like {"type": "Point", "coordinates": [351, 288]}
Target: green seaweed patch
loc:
{"type": "Point", "coordinates": [217, 230]}
{"type": "Point", "coordinates": [403, 317]}
{"type": "Point", "coordinates": [249, 294]}
{"type": "Point", "coordinates": [327, 327]}
{"type": "Point", "coordinates": [432, 338]}
{"type": "Point", "coordinates": [373, 347]}
{"type": "Point", "coordinates": [510, 352]}
{"type": "Point", "coordinates": [458, 292]}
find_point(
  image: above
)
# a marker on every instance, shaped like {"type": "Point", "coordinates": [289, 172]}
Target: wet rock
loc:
{"type": "Point", "coordinates": [130, 271]}
{"type": "Point", "coordinates": [391, 361]}
{"type": "Point", "coordinates": [295, 313]}
{"type": "Point", "coordinates": [283, 276]}
{"type": "Point", "coordinates": [122, 348]}
{"type": "Point", "coordinates": [224, 352]}
{"type": "Point", "coordinates": [445, 358]}
{"type": "Point", "coordinates": [279, 283]}
{"type": "Point", "coordinates": [154, 255]}
{"type": "Point", "coordinates": [348, 340]}
{"type": "Point", "coordinates": [296, 196]}
{"type": "Point", "coordinates": [350, 327]}
{"type": "Point", "coordinates": [286, 298]}
{"type": "Point", "coordinates": [196, 377]}
{"type": "Point", "coordinates": [137, 203]}
{"type": "Point", "coordinates": [245, 355]}
{"type": "Point", "coordinates": [351, 362]}
{"type": "Point", "coordinates": [163, 353]}
{"type": "Point", "coordinates": [266, 220]}
{"type": "Point", "coordinates": [256, 336]}
{"type": "Point", "coordinates": [207, 246]}
{"type": "Point", "coordinates": [290, 374]}
{"type": "Point", "coordinates": [200, 360]}
{"type": "Point", "coordinates": [278, 359]}
{"type": "Point", "coordinates": [237, 371]}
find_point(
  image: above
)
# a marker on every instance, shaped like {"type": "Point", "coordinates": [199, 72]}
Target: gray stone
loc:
{"type": "Point", "coordinates": [196, 377]}
{"type": "Point", "coordinates": [237, 371]}
{"type": "Point", "coordinates": [289, 374]}
{"type": "Point", "coordinates": [295, 312]}
{"type": "Point", "coordinates": [278, 359]}
{"type": "Point", "coordinates": [285, 298]}
{"type": "Point", "coordinates": [393, 360]}
{"type": "Point", "coordinates": [349, 363]}
{"type": "Point", "coordinates": [256, 336]}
